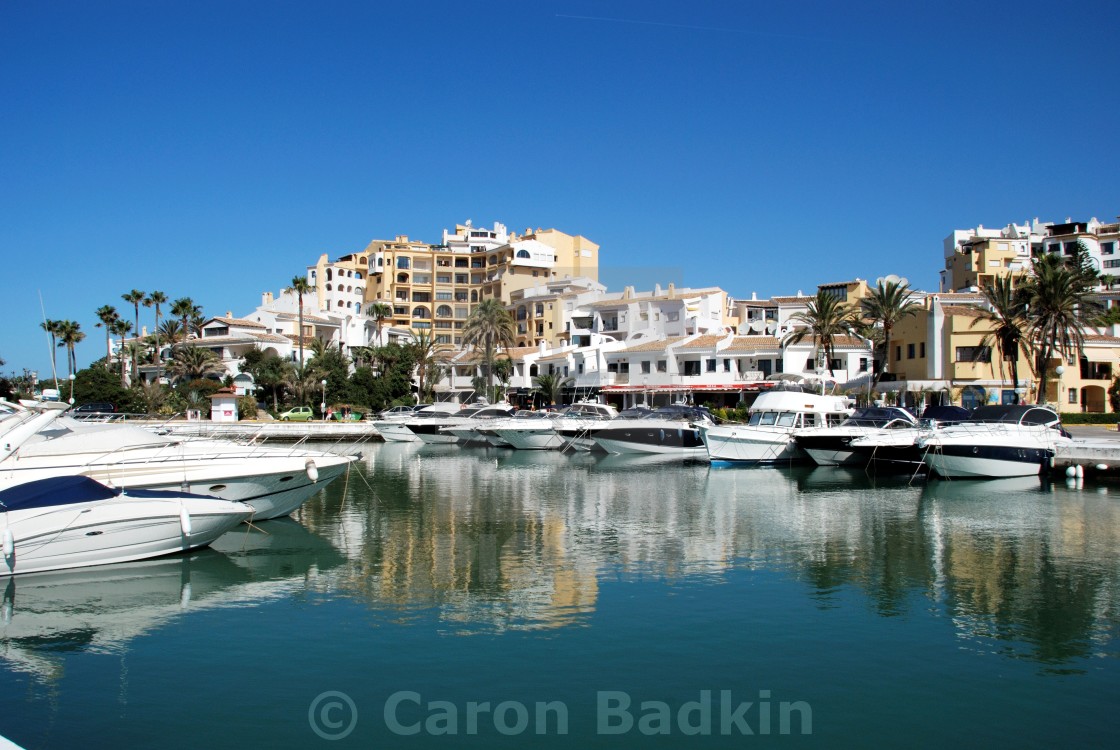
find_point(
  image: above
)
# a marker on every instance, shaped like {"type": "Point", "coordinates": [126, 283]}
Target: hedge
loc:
{"type": "Point", "coordinates": [1077, 417]}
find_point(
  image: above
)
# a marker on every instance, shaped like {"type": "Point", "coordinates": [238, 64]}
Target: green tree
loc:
{"type": "Point", "coordinates": [135, 297]}
{"type": "Point", "coordinates": [1006, 315]}
{"type": "Point", "coordinates": [98, 385]}
{"type": "Point", "coordinates": [549, 387]}
{"type": "Point", "coordinates": [1058, 309]}
{"type": "Point", "coordinates": [121, 327]}
{"type": "Point", "coordinates": [194, 363]}
{"type": "Point", "coordinates": [268, 370]}
{"type": "Point", "coordinates": [51, 327]}
{"type": "Point", "coordinates": [300, 286]}
{"type": "Point", "coordinates": [825, 319]}
{"type": "Point", "coordinates": [70, 335]}
{"type": "Point", "coordinates": [172, 331]}
{"type": "Point", "coordinates": [303, 382]}
{"type": "Point", "coordinates": [379, 311]}
{"type": "Point", "coordinates": [424, 349]}
{"type": "Point", "coordinates": [183, 308]}
{"type": "Point", "coordinates": [489, 327]}
{"type": "Point", "coordinates": [107, 314]}
{"type": "Point", "coordinates": [887, 306]}
{"type": "Point", "coordinates": [503, 371]}
{"type": "Point", "coordinates": [155, 299]}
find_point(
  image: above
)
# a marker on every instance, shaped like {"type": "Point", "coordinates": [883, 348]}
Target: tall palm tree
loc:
{"type": "Point", "coordinates": [171, 331]}
{"type": "Point", "coordinates": [70, 335]}
{"type": "Point", "coordinates": [825, 318]}
{"type": "Point", "coordinates": [301, 382]}
{"type": "Point", "coordinates": [1058, 311]}
{"type": "Point", "coordinates": [489, 327]}
{"type": "Point", "coordinates": [121, 327]}
{"type": "Point", "coordinates": [887, 306]}
{"type": "Point", "coordinates": [107, 314]}
{"type": "Point", "coordinates": [155, 299]}
{"type": "Point", "coordinates": [51, 327]}
{"type": "Point", "coordinates": [135, 297]}
{"type": "Point", "coordinates": [300, 286]}
{"type": "Point", "coordinates": [378, 311]}
{"type": "Point", "coordinates": [182, 309]}
{"type": "Point", "coordinates": [1006, 315]}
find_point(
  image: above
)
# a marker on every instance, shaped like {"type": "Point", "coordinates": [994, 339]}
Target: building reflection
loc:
{"type": "Point", "coordinates": [495, 540]}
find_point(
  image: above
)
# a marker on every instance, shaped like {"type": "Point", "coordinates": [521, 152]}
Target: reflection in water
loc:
{"type": "Point", "coordinates": [494, 539]}
{"type": "Point", "coordinates": [102, 609]}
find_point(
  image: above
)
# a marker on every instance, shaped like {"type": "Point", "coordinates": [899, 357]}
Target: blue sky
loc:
{"type": "Point", "coordinates": [215, 149]}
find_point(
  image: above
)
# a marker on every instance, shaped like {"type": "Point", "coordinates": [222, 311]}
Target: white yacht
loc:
{"type": "Point", "coordinates": [898, 450]}
{"type": "Point", "coordinates": [73, 522]}
{"type": "Point", "coordinates": [489, 432]}
{"type": "Point", "coordinates": [274, 480]}
{"type": "Point", "coordinates": [670, 429]}
{"type": "Point", "coordinates": [556, 429]}
{"type": "Point", "coordinates": [832, 445]}
{"type": "Point", "coordinates": [579, 433]}
{"type": "Point", "coordinates": [464, 427]}
{"type": "Point", "coordinates": [996, 441]}
{"type": "Point", "coordinates": [391, 424]}
{"type": "Point", "coordinates": [767, 437]}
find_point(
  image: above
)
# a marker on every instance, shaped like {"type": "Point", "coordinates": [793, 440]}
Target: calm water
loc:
{"type": "Point", "coordinates": [433, 579]}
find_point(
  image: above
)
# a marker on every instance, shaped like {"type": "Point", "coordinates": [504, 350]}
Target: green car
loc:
{"type": "Point", "coordinates": [298, 414]}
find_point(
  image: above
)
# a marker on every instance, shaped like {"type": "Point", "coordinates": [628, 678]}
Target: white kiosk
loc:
{"type": "Point", "coordinates": [223, 406]}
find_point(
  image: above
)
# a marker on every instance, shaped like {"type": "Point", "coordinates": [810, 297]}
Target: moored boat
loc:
{"type": "Point", "coordinates": [767, 436]}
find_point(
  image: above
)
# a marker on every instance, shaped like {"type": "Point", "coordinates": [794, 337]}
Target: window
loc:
{"type": "Point", "coordinates": [443, 311]}
{"type": "Point", "coordinates": [909, 351]}
{"type": "Point", "coordinates": [727, 365]}
{"type": "Point", "coordinates": [974, 354]}
{"type": "Point", "coordinates": [443, 296]}
{"type": "Point", "coordinates": [1112, 264]}
{"type": "Point", "coordinates": [1108, 248]}
{"type": "Point", "coordinates": [443, 278]}
{"type": "Point", "coordinates": [922, 350]}
{"type": "Point", "coordinates": [402, 278]}
{"type": "Point", "coordinates": [522, 253]}
{"type": "Point", "coordinates": [646, 367]}
{"type": "Point", "coordinates": [1073, 395]}
{"type": "Point", "coordinates": [691, 368]}
{"type": "Point", "coordinates": [662, 366]}
{"type": "Point", "coordinates": [462, 263]}
{"type": "Point", "coordinates": [403, 263]}
{"type": "Point", "coordinates": [898, 353]}
{"type": "Point", "coordinates": [420, 312]}
{"type": "Point", "coordinates": [460, 278]}
{"type": "Point", "coordinates": [863, 363]}
{"type": "Point", "coordinates": [710, 365]}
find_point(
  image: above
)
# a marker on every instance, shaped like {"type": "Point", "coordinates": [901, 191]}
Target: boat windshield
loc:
{"type": "Point", "coordinates": [876, 416]}
{"type": "Point", "coordinates": [1035, 415]}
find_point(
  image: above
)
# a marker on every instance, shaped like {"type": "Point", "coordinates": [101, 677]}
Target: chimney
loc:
{"type": "Point", "coordinates": [229, 314]}
{"type": "Point", "coordinates": [754, 297]}
{"type": "Point", "coordinates": [672, 290]}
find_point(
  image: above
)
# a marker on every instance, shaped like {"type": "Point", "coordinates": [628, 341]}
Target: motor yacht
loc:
{"type": "Point", "coordinates": [463, 427]}
{"type": "Point", "coordinates": [579, 434]}
{"type": "Point", "coordinates": [996, 441]}
{"type": "Point", "coordinates": [557, 429]}
{"type": "Point", "coordinates": [392, 427]}
{"type": "Point", "coordinates": [767, 436]}
{"type": "Point", "coordinates": [74, 521]}
{"type": "Point", "coordinates": [489, 433]}
{"type": "Point", "coordinates": [669, 429]}
{"type": "Point", "coordinates": [832, 445]}
{"type": "Point", "coordinates": [273, 480]}
{"type": "Point", "coordinates": [897, 450]}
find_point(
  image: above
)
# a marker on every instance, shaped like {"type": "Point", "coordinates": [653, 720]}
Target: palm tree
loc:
{"type": "Point", "coordinates": [171, 331]}
{"type": "Point", "coordinates": [549, 387]}
{"type": "Point", "coordinates": [156, 299]}
{"type": "Point", "coordinates": [301, 381]}
{"type": "Point", "coordinates": [825, 318]}
{"type": "Point", "coordinates": [182, 309]}
{"type": "Point", "coordinates": [135, 297]}
{"type": "Point", "coordinates": [121, 327]}
{"type": "Point", "coordinates": [300, 286]}
{"type": "Point", "coordinates": [194, 363]}
{"type": "Point", "coordinates": [489, 327]}
{"type": "Point", "coordinates": [107, 314]}
{"type": "Point", "coordinates": [70, 335]}
{"type": "Point", "coordinates": [1058, 309]}
{"type": "Point", "coordinates": [424, 348]}
{"type": "Point", "coordinates": [51, 327]}
{"type": "Point", "coordinates": [887, 306]}
{"type": "Point", "coordinates": [379, 311]}
{"type": "Point", "coordinates": [1006, 315]}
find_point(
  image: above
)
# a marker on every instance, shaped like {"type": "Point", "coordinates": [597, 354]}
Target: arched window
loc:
{"type": "Point", "coordinates": [358, 291]}
{"type": "Point", "coordinates": [474, 295]}
{"type": "Point", "coordinates": [358, 275]}
{"type": "Point", "coordinates": [403, 263]}
{"type": "Point", "coordinates": [349, 288]}
{"type": "Point", "coordinates": [328, 274]}
{"type": "Point", "coordinates": [402, 278]}
{"type": "Point", "coordinates": [523, 254]}
{"type": "Point", "coordinates": [420, 312]}
{"type": "Point", "coordinates": [443, 311]}
{"type": "Point", "coordinates": [328, 287]}
{"type": "Point", "coordinates": [534, 371]}
{"type": "Point", "coordinates": [340, 304]}
{"type": "Point", "coordinates": [493, 260]}
{"type": "Point", "coordinates": [357, 308]}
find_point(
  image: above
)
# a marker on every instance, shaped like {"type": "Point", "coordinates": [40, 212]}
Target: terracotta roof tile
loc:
{"type": "Point", "coordinates": [752, 343]}
{"type": "Point", "coordinates": [707, 341]}
{"type": "Point", "coordinates": [652, 346]}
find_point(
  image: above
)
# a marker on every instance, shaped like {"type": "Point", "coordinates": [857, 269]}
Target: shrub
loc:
{"type": "Point", "coordinates": [247, 407]}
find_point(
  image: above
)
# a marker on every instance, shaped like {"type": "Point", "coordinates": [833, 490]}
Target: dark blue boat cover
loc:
{"type": "Point", "coordinates": [44, 493]}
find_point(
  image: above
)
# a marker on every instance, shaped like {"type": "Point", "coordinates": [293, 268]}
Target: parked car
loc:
{"type": "Point", "coordinates": [297, 414]}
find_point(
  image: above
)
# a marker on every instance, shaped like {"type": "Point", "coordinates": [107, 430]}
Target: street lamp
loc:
{"type": "Point", "coordinates": [323, 404]}
{"type": "Point", "coordinates": [72, 376]}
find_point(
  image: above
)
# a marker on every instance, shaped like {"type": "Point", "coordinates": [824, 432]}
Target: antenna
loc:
{"type": "Point", "coordinates": [54, 371]}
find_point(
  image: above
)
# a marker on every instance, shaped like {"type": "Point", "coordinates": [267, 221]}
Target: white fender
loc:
{"type": "Point", "coordinates": [9, 543]}
{"type": "Point", "coordinates": [312, 470]}
{"type": "Point", "coordinates": [185, 520]}
{"type": "Point", "coordinates": [1080, 471]}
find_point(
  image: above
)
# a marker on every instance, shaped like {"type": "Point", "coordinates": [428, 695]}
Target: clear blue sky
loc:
{"type": "Point", "coordinates": [215, 149]}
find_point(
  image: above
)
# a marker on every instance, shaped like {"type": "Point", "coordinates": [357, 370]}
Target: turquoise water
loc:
{"type": "Point", "coordinates": [539, 592]}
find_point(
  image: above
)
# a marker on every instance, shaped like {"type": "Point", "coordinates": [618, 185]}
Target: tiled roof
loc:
{"type": "Point", "coordinates": [1093, 338]}
{"type": "Point", "coordinates": [239, 322]}
{"type": "Point", "coordinates": [752, 343]}
{"type": "Point", "coordinates": [652, 346]}
{"type": "Point", "coordinates": [792, 300]}
{"type": "Point", "coordinates": [963, 311]}
{"type": "Point", "coordinates": [707, 341]}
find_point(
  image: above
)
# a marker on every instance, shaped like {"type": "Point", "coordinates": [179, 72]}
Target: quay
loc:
{"type": "Point", "coordinates": [273, 431]}
{"type": "Point", "coordinates": [1094, 450]}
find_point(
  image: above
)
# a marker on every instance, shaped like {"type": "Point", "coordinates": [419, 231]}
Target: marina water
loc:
{"type": "Point", "coordinates": [450, 597]}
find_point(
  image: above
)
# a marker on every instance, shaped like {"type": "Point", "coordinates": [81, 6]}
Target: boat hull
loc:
{"type": "Point", "coordinates": [678, 438]}
{"type": "Point", "coordinates": [995, 461]}
{"type": "Point", "coordinates": [741, 444]}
